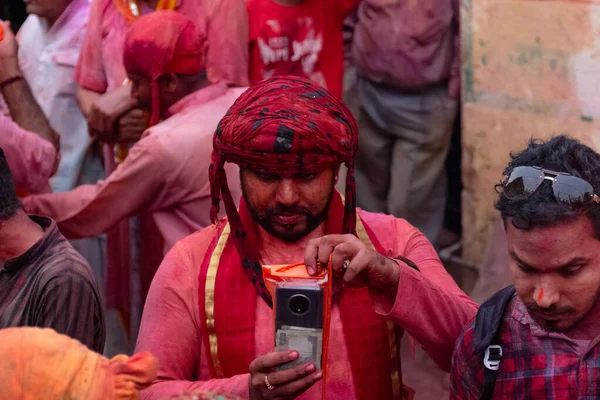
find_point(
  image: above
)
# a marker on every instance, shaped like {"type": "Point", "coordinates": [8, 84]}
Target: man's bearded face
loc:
{"type": "Point", "coordinates": [556, 272]}
{"type": "Point", "coordinates": [141, 90]}
{"type": "Point", "coordinates": [288, 206]}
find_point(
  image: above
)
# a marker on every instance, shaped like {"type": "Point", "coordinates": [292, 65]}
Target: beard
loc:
{"type": "Point", "coordinates": [308, 220]}
{"type": "Point", "coordinates": [559, 325]}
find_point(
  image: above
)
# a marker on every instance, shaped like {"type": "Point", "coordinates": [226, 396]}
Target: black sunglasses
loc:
{"type": "Point", "coordinates": [568, 189]}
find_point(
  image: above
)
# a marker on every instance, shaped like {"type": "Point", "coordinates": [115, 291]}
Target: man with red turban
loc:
{"type": "Point", "coordinates": [165, 171]}
{"type": "Point", "coordinates": [208, 317]}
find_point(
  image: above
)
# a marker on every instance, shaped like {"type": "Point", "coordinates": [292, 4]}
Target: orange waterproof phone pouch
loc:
{"type": "Point", "coordinates": [302, 313]}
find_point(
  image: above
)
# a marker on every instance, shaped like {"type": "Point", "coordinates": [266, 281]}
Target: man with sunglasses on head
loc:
{"type": "Point", "coordinates": [539, 338]}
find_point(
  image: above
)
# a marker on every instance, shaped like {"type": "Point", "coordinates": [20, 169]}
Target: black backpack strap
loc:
{"type": "Point", "coordinates": [487, 324]}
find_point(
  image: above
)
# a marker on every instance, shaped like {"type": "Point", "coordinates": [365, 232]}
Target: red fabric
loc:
{"type": "Point", "coordinates": [160, 43]}
{"type": "Point", "coordinates": [536, 364]}
{"type": "Point", "coordinates": [303, 40]}
{"type": "Point", "coordinates": [286, 124]}
{"type": "Point", "coordinates": [235, 316]}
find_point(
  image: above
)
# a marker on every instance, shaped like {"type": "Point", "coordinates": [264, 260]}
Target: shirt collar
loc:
{"type": "Point", "coordinates": [50, 233]}
{"type": "Point", "coordinates": [201, 96]}
{"type": "Point", "coordinates": [70, 12]}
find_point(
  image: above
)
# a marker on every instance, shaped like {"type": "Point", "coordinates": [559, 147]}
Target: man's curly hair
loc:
{"type": "Point", "coordinates": [561, 154]}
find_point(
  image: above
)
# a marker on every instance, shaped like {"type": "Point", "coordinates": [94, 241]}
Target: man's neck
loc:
{"type": "Point", "coordinates": [17, 235]}
{"type": "Point", "coordinates": [275, 251]}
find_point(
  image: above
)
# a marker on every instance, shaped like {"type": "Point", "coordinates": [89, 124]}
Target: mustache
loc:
{"type": "Point", "coordinates": [553, 309]}
{"type": "Point", "coordinates": [285, 211]}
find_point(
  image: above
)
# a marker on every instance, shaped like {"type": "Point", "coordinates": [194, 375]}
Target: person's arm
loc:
{"type": "Point", "coordinates": [31, 159]}
{"type": "Point", "coordinates": [90, 210]}
{"type": "Point", "coordinates": [24, 109]}
{"type": "Point", "coordinates": [228, 38]}
{"type": "Point", "coordinates": [466, 377]}
{"type": "Point", "coordinates": [171, 311]}
{"type": "Point", "coordinates": [90, 73]}
{"type": "Point", "coordinates": [428, 304]}
{"type": "Point", "coordinates": [70, 305]}
{"type": "Point", "coordinates": [86, 98]}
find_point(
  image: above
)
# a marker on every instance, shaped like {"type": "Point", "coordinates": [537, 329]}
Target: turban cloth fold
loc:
{"type": "Point", "coordinates": [39, 363]}
{"type": "Point", "coordinates": [285, 124]}
{"type": "Point", "coordinates": [160, 43]}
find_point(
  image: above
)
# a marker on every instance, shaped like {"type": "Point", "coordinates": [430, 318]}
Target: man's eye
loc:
{"type": "Point", "coordinates": [307, 176]}
{"type": "Point", "coordinates": [266, 176]}
{"type": "Point", "coordinates": [572, 270]}
{"type": "Point", "coordinates": [526, 270]}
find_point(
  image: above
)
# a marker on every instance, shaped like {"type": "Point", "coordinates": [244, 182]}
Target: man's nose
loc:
{"type": "Point", "coordinates": [546, 293]}
{"type": "Point", "coordinates": [287, 192]}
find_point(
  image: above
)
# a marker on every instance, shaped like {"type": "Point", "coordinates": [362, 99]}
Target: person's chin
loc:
{"type": "Point", "coordinates": [288, 233]}
{"type": "Point", "coordinates": [555, 324]}
{"type": "Point", "coordinates": [33, 9]}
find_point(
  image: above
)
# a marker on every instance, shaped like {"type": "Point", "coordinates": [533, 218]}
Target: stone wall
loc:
{"type": "Point", "coordinates": [530, 68]}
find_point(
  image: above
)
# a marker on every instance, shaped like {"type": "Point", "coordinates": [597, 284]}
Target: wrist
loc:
{"type": "Point", "coordinates": [391, 290]}
{"type": "Point", "coordinates": [9, 67]}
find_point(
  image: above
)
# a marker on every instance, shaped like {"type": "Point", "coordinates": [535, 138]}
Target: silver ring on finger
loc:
{"type": "Point", "coordinates": [268, 384]}
{"type": "Point", "coordinates": [345, 266]}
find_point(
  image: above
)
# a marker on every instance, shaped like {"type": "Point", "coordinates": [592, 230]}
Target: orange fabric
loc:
{"type": "Point", "coordinates": [124, 7]}
{"type": "Point", "coordinates": [39, 363]}
{"type": "Point", "coordinates": [281, 273]}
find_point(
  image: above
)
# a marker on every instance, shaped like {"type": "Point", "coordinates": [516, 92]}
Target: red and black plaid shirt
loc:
{"type": "Point", "coordinates": [535, 364]}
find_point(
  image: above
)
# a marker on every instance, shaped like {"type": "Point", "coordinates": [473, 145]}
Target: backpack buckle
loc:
{"type": "Point", "coordinates": [493, 355]}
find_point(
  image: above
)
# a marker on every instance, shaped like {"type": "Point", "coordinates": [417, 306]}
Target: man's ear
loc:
{"type": "Point", "coordinates": [336, 173]}
{"type": "Point", "coordinates": [171, 82]}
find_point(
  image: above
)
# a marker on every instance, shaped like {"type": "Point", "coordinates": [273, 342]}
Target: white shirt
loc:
{"type": "Point", "coordinates": [47, 58]}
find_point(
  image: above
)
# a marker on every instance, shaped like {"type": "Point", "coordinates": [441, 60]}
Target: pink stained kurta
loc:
{"type": "Point", "coordinates": [225, 23]}
{"type": "Point", "coordinates": [166, 173]}
{"type": "Point", "coordinates": [429, 305]}
{"type": "Point", "coordinates": [30, 158]}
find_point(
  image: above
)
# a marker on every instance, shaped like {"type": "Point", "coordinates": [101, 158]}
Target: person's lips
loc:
{"type": "Point", "coordinates": [550, 316]}
{"type": "Point", "coordinates": [287, 219]}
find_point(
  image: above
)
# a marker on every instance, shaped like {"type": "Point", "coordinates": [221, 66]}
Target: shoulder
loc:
{"type": "Point", "coordinates": [30, 29]}
{"type": "Point", "coordinates": [186, 257]}
{"type": "Point", "coordinates": [464, 344]}
{"type": "Point", "coordinates": [62, 263]}
{"type": "Point", "coordinates": [393, 233]}
{"type": "Point", "coordinates": [385, 221]}
{"type": "Point", "coordinates": [198, 243]}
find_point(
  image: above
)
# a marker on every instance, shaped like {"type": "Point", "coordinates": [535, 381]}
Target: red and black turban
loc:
{"type": "Point", "coordinates": [286, 124]}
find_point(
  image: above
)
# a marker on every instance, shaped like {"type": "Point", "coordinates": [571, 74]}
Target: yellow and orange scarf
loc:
{"type": "Point", "coordinates": [131, 9]}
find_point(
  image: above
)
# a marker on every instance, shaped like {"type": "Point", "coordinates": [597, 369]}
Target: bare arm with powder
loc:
{"type": "Point", "coordinates": [24, 109]}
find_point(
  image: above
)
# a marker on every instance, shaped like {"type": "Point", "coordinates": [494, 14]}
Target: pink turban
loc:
{"type": "Point", "coordinates": [160, 43]}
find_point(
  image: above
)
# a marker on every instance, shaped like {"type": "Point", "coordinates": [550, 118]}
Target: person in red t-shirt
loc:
{"type": "Point", "coordinates": [298, 37]}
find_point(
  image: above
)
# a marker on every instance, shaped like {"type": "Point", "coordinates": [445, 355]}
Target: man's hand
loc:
{"type": "Point", "coordinates": [132, 125]}
{"type": "Point", "coordinates": [106, 111]}
{"type": "Point", "coordinates": [355, 263]}
{"type": "Point", "coordinates": [9, 64]}
{"type": "Point", "coordinates": [287, 384]}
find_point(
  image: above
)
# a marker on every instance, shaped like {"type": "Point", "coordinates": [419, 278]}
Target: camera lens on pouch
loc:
{"type": "Point", "coordinates": [299, 304]}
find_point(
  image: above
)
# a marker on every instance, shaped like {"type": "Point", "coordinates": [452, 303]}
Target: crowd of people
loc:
{"type": "Point", "coordinates": [156, 154]}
